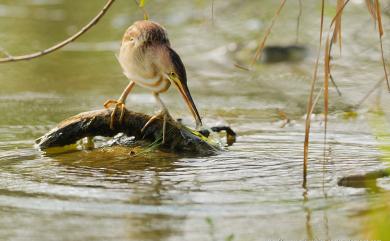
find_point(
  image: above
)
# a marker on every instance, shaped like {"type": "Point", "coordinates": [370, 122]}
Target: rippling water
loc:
{"type": "Point", "coordinates": [252, 191]}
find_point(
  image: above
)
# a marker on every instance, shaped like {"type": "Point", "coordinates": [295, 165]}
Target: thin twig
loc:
{"type": "Point", "coordinates": [316, 100]}
{"type": "Point", "coordinates": [337, 29]}
{"type": "Point", "coordinates": [371, 10]}
{"type": "Point", "coordinates": [330, 37]}
{"type": "Point", "coordinates": [241, 67]}
{"type": "Point", "coordinates": [376, 86]}
{"type": "Point", "coordinates": [259, 49]}
{"type": "Point", "coordinates": [326, 89]}
{"type": "Point", "coordinates": [384, 65]}
{"type": "Point", "coordinates": [5, 52]}
{"type": "Point", "coordinates": [380, 32]}
{"type": "Point", "coordinates": [141, 5]}
{"type": "Point", "coordinates": [212, 12]}
{"type": "Point", "coordinates": [298, 21]}
{"type": "Point", "coordinates": [310, 102]}
{"type": "Point", "coordinates": [335, 85]}
{"type": "Point", "coordinates": [63, 43]}
{"type": "Point", "coordinates": [330, 74]}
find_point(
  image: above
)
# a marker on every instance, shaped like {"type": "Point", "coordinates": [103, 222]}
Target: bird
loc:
{"type": "Point", "coordinates": [148, 60]}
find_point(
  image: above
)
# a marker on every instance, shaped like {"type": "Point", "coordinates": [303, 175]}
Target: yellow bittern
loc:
{"type": "Point", "coordinates": [148, 60]}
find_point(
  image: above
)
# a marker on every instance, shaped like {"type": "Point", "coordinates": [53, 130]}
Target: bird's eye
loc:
{"type": "Point", "coordinates": [172, 74]}
{"type": "Point", "coordinates": [131, 39]}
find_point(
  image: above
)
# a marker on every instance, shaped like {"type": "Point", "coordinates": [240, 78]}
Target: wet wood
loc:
{"type": "Point", "coordinates": [179, 138]}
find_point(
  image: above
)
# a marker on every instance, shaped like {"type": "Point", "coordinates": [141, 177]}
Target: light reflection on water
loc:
{"type": "Point", "coordinates": [253, 190]}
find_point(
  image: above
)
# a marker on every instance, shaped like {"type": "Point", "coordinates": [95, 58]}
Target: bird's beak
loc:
{"type": "Point", "coordinates": [184, 91]}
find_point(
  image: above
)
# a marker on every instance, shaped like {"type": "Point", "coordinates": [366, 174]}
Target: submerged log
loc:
{"type": "Point", "coordinates": [290, 53]}
{"type": "Point", "coordinates": [179, 138]}
{"type": "Point", "coordinates": [366, 180]}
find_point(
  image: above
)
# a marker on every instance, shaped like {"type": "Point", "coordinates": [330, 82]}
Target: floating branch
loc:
{"type": "Point", "coordinates": [178, 138]}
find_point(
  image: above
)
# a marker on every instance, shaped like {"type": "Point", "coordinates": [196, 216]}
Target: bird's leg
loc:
{"type": "Point", "coordinates": [120, 103]}
{"type": "Point", "coordinates": [163, 113]}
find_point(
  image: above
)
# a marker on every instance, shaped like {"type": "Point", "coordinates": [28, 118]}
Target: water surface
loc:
{"type": "Point", "coordinates": [252, 191]}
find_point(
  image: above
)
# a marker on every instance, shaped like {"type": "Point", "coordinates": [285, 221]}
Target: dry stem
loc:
{"type": "Point", "coordinates": [267, 33]}
{"type": "Point", "coordinates": [310, 102]}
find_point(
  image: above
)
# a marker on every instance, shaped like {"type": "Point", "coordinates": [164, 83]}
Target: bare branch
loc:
{"type": "Point", "coordinates": [83, 30]}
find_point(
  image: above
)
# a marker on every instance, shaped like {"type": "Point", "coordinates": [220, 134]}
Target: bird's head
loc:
{"type": "Point", "coordinates": [177, 75]}
{"type": "Point", "coordinates": [144, 33]}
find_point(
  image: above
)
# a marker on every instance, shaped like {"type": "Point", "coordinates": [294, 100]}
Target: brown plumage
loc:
{"type": "Point", "coordinates": [148, 60]}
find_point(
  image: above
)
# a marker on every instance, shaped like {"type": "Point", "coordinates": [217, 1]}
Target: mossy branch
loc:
{"type": "Point", "coordinates": [179, 138]}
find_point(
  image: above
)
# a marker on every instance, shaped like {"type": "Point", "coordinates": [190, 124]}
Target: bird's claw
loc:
{"type": "Point", "coordinates": [165, 116]}
{"type": "Point", "coordinates": [118, 105]}
{"type": "Point", "coordinates": [109, 103]}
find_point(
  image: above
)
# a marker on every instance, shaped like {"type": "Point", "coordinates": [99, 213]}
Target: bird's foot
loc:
{"type": "Point", "coordinates": [165, 116]}
{"type": "Point", "coordinates": [118, 105]}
